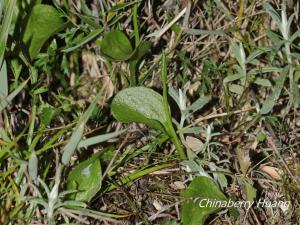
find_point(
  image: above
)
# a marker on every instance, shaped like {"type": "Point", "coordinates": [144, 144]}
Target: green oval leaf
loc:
{"type": "Point", "coordinates": [116, 46]}
{"type": "Point", "coordinates": [43, 22]}
{"type": "Point", "coordinates": [86, 177]}
{"type": "Point", "coordinates": [141, 105]}
{"type": "Point", "coordinates": [204, 188]}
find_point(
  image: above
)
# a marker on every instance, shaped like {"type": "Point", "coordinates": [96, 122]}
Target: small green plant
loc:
{"type": "Point", "coordinates": [285, 42]}
{"type": "Point", "coordinates": [146, 106]}
{"type": "Point", "coordinates": [83, 182]}
{"type": "Point", "coordinates": [117, 47]}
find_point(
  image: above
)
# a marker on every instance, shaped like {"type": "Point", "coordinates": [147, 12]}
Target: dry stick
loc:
{"type": "Point", "coordinates": [76, 217]}
{"type": "Point", "coordinates": [163, 209]}
{"type": "Point", "coordinates": [114, 157]}
{"type": "Point", "coordinates": [88, 214]}
{"type": "Point", "coordinates": [255, 216]}
{"type": "Point", "coordinates": [159, 33]}
{"type": "Point", "coordinates": [220, 115]}
{"type": "Point", "coordinates": [273, 146]}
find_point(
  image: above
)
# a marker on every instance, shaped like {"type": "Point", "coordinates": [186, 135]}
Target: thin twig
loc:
{"type": "Point", "coordinates": [114, 157]}
{"type": "Point", "coordinates": [212, 116]}
{"type": "Point", "coordinates": [159, 33]}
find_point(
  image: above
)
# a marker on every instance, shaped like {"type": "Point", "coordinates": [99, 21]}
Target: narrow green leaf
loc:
{"type": "Point", "coordinates": [3, 80]}
{"type": "Point", "coordinates": [296, 94]}
{"type": "Point", "coordinates": [290, 20]}
{"type": "Point", "coordinates": [239, 53]}
{"type": "Point", "coordinates": [196, 212]}
{"type": "Point", "coordinates": [198, 104]}
{"type": "Point", "coordinates": [85, 9]}
{"type": "Point", "coordinates": [295, 90]}
{"type": "Point", "coordinates": [174, 94]}
{"type": "Point", "coordinates": [70, 148]}
{"type": "Point", "coordinates": [276, 39]}
{"type": "Point", "coordinates": [141, 105]}
{"type": "Point", "coordinates": [257, 53]}
{"type": "Point", "coordinates": [73, 142]}
{"type": "Point", "coordinates": [96, 213]}
{"type": "Point", "coordinates": [98, 139]}
{"type": "Point", "coordinates": [274, 15]}
{"type": "Point", "coordinates": [205, 32]}
{"type": "Point", "coordinates": [86, 177]}
{"type": "Point", "coordinates": [231, 78]}
{"type": "Point", "coordinates": [90, 20]}
{"type": "Point", "coordinates": [5, 27]}
{"type": "Point", "coordinates": [224, 9]}
{"type": "Point", "coordinates": [294, 36]}
{"type": "Point", "coordinates": [120, 6]}
{"type": "Point", "coordinates": [4, 102]}
{"type": "Point", "coordinates": [1, 8]}
{"type": "Point", "coordinates": [33, 166]}
{"type": "Point", "coordinates": [264, 70]}
{"type": "Point", "coordinates": [263, 82]}
{"type": "Point", "coordinates": [71, 203]}
{"type": "Point", "coordinates": [40, 202]}
{"type": "Point", "coordinates": [272, 98]}
{"type": "Point", "coordinates": [166, 109]}
{"type": "Point", "coordinates": [84, 40]}
{"type": "Point", "coordinates": [44, 21]}
{"type": "Point", "coordinates": [32, 120]}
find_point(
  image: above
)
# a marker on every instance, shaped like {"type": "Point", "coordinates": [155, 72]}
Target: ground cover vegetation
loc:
{"type": "Point", "coordinates": [146, 112]}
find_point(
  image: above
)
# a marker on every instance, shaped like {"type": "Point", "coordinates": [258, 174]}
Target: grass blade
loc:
{"type": "Point", "coordinates": [1, 8]}
{"type": "Point", "coordinates": [99, 139]}
{"type": "Point", "coordinates": [84, 40]}
{"type": "Point", "coordinates": [3, 80]}
{"type": "Point", "coordinates": [4, 102]}
{"type": "Point", "coordinates": [169, 124]}
{"type": "Point", "coordinates": [205, 32]}
{"type": "Point", "coordinates": [272, 98]}
{"type": "Point", "coordinates": [5, 27]}
{"type": "Point", "coordinates": [33, 166]}
{"type": "Point", "coordinates": [76, 136]}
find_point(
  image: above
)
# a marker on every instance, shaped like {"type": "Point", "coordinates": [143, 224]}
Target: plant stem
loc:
{"type": "Point", "coordinates": [291, 73]}
{"type": "Point", "coordinates": [133, 65]}
{"type": "Point", "coordinates": [135, 24]}
{"type": "Point", "coordinates": [285, 34]}
{"type": "Point", "coordinates": [133, 77]}
{"type": "Point", "coordinates": [169, 124]}
{"type": "Point", "coordinates": [137, 174]}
